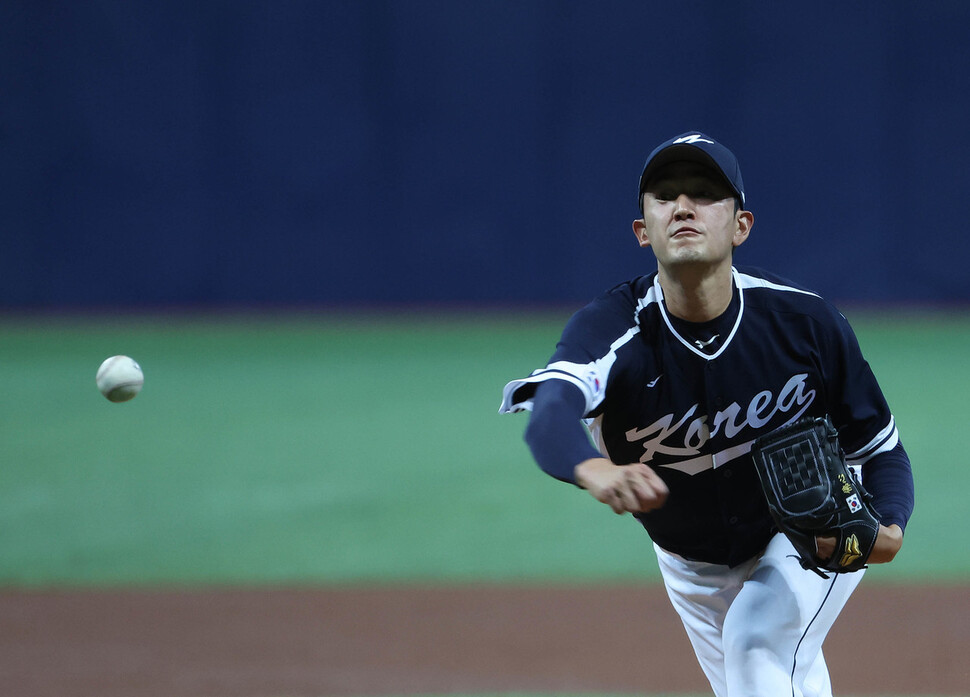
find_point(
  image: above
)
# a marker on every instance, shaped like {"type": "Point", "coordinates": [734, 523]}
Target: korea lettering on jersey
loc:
{"type": "Point", "coordinates": [656, 394]}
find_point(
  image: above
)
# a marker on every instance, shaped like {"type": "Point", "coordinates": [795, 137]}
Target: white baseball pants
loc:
{"type": "Point", "coordinates": [757, 629]}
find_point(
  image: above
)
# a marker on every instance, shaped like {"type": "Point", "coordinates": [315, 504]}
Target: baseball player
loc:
{"type": "Point", "coordinates": [655, 394]}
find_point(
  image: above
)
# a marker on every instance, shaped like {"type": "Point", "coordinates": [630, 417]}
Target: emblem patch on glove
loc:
{"type": "Point", "coordinates": [852, 551]}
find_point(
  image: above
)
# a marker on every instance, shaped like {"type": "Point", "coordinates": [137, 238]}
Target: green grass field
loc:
{"type": "Point", "coordinates": [338, 449]}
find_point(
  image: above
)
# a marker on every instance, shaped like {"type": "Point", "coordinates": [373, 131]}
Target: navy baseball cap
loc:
{"type": "Point", "coordinates": [693, 147]}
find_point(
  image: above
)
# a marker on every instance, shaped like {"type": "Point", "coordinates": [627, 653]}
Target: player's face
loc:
{"type": "Point", "coordinates": [690, 217]}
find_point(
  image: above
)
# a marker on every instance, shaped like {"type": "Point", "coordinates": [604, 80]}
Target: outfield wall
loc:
{"type": "Point", "coordinates": [365, 151]}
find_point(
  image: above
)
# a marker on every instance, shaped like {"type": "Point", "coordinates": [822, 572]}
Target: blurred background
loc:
{"type": "Point", "coordinates": [297, 153]}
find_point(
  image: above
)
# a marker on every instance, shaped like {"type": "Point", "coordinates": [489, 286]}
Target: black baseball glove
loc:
{"type": "Point", "coordinates": [811, 493]}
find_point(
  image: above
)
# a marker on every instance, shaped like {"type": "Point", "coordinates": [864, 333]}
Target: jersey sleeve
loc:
{"type": "Point", "coordinates": [555, 434]}
{"type": "Point", "coordinates": [856, 402]}
{"type": "Point", "coordinates": [585, 356]}
{"type": "Point", "coordinates": [867, 429]}
{"type": "Point", "coordinates": [889, 478]}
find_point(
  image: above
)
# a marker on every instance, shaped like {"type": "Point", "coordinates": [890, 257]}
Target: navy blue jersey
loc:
{"type": "Point", "coordinates": [689, 399]}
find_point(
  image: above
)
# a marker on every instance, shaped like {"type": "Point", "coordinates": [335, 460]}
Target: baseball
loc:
{"type": "Point", "coordinates": [120, 378]}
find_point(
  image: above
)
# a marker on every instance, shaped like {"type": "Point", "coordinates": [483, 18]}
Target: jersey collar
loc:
{"type": "Point", "coordinates": [684, 340]}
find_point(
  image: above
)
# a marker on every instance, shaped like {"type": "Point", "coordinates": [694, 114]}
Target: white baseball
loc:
{"type": "Point", "coordinates": [119, 378]}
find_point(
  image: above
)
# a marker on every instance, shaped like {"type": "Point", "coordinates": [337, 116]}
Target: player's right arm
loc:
{"type": "Point", "coordinates": [560, 445]}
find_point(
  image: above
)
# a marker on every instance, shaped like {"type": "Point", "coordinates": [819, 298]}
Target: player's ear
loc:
{"type": "Point", "coordinates": [640, 230]}
{"type": "Point", "coordinates": [744, 223]}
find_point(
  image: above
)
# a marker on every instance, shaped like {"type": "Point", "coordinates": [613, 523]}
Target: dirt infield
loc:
{"type": "Point", "coordinates": [350, 642]}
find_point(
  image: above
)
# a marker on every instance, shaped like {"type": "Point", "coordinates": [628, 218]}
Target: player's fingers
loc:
{"type": "Point", "coordinates": [619, 499]}
{"type": "Point", "coordinates": [650, 490]}
{"type": "Point", "coordinates": [638, 489]}
{"type": "Point", "coordinates": [631, 496]}
{"type": "Point", "coordinates": [653, 478]}
{"type": "Point", "coordinates": [647, 498]}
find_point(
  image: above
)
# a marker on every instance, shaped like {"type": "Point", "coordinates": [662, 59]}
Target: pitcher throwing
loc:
{"type": "Point", "coordinates": [659, 388]}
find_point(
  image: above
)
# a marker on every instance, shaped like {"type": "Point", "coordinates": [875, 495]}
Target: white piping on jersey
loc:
{"type": "Point", "coordinates": [745, 281]}
{"type": "Point", "coordinates": [742, 281]}
{"type": "Point", "coordinates": [595, 387]}
{"type": "Point", "coordinates": [560, 371]}
{"type": "Point", "coordinates": [590, 377]}
{"type": "Point", "coordinates": [591, 383]}
{"type": "Point", "coordinates": [653, 294]}
{"type": "Point", "coordinates": [690, 346]}
{"type": "Point", "coordinates": [885, 440]}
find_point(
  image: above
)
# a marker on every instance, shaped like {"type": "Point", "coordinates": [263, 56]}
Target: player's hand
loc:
{"type": "Point", "coordinates": [825, 547]}
{"type": "Point", "coordinates": [632, 488]}
{"type": "Point", "coordinates": [888, 543]}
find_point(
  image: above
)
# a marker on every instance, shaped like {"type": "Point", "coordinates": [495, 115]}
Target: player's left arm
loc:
{"type": "Point", "coordinates": [888, 476]}
{"type": "Point", "coordinates": [868, 433]}
{"type": "Point", "coordinates": [889, 540]}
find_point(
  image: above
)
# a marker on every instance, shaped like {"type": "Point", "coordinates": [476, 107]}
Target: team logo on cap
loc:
{"type": "Point", "coordinates": [696, 138]}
